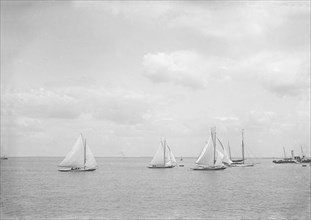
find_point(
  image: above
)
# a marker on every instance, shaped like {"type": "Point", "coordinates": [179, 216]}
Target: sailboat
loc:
{"type": "Point", "coordinates": [233, 161]}
{"type": "Point", "coordinates": [164, 157]}
{"type": "Point", "coordinates": [181, 160]}
{"type": "Point", "coordinates": [79, 159]}
{"type": "Point", "coordinates": [210, 157]}
{"type": "Point", "coordinates": [226, 158]}
{"type": "Point", "coordinates": [242, 162]}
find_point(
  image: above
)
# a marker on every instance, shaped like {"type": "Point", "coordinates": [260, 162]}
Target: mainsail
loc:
{"type": "Point", "coordinates": [210, 157]}
{"type": "Point", "coordinates": [79, 156]}
{"type": "Point", "coordinates": [163, 157]}
{"type": "Point", "coordinates": [206, 157]}
{"type": "Point", "coordinates": [226, 157]}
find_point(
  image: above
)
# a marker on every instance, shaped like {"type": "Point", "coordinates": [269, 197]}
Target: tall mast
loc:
{"type": "Point", "coordinates": [214, 143]}
{"type": "Point", "coordinates": [243, 146]}
{"type": "Point", "coordinates": [284, 152]}
{"type": "Point", "coordinates": [301, 152]}
{"type": "Point", "coordinates": [229, 150]}
{"type": "Point", "coordinates": [84, 152]}
{"type": "Point", "coordinates": [163, 145]}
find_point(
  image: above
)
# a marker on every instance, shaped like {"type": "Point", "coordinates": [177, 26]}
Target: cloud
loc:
{"type": "Point", "coordinates": [281, 73]}
{"type": "Point", "coordinates": [226, 118]}
{"type": "Point", "coordinates": [186, 68]}
{"type": "Point", "coordinates": [40, 103]}
{"type": "Point", "coordinates": [117, 105]}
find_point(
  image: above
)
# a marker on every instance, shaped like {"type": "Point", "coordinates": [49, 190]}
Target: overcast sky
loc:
{"type": "Point", "coordinates": [127, 73]}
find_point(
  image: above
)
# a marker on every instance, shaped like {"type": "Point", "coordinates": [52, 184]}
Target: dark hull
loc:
{"type": "Point", "coordinates": [237, 161]}
{"type": "Point", "coordinates": [76, 170]}
{"type": "Point", "coordinates": [284, 161]}
{"type": "Point", "coordinates": [208, 168]}
{"type": "Point", "coordinates": [154, 167]}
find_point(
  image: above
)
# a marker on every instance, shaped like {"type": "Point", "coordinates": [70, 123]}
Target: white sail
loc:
{"type": "Point", "coordinates": [75, 158]}
{"type": "Point", "coordinates": [219, 158]}
{"type": "Point", "coordinates": [206, 157]}
{"type": "Point", "coordinates": [172, 157]}
{"type": "Point", "coordinates": [90, 159]}
{"type": "Point", "coordinates": [158, 158]}
{"type": "Point", "coordinates": [164, 156]}
{"type": "Point", "coordinates": [226, 158]}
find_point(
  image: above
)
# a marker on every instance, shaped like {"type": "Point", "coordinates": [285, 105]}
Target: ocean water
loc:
{"type": "Point", "coordinates": [123, 188]}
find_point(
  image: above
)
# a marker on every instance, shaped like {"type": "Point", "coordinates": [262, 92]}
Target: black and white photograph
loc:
{"type": "Point", "coordinates": [155, 110]}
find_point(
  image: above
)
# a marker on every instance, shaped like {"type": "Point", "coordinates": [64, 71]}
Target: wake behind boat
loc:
{"type": "Point", "coordinates": [164, 157]}
{"type": "Point", "coordinates": [79, 159]}
{"type": "Point", "coordinates": [210, 158]}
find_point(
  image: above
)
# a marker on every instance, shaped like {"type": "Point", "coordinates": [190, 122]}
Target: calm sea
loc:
{"type": "Point", "coordinates": [123, 188]}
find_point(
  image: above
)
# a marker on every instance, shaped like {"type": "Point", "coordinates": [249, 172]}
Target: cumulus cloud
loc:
{"type": "Point", "coordinates": [281, 73]}
{"type": "Point", "coordinates": [40, 103]}
{"type": "Point", "coordinates": [180, 67]}
{"type": "Point", "coordinates": [186, 68]}
{"type": "Point", "coordinates": [117, 105]}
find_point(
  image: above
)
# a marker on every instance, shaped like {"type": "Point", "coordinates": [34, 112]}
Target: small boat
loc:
{"type": "Point", "coordinates": [79, 159]}
{"type": "Point", "coordinates": [286, 160]}
{"type": "Point", "coordinates": [241, 163]}
{"type": "Point", "coordinates": [181, 160]}
{"type": "Point", "coordinates": [164, 157]}
{"type": "Point", "coordinates": [210, 158]}
{"type": "Point", "coordinates": [304, 159]}
{"type": "Point", "coordinates": [3, 158]}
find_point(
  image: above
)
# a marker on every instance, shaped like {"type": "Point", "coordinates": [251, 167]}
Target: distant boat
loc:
{"type": "Point", "coordinates": [241, 163]}
{"type": "Point", "coordinates": [79, 159]}
{"type": "Point", "coordinates": [233, 161]}
{"type": "Point", "coordinates": [286, 160]}
{"type": "Point", "coordinates": [210, 157]}
{"type": "Point", "coordinates": [181, 160]}
{"type": "Point", "coordinates": [304, 159]}
{"type": "Point", "coordinates": [164, 157]}
{"type": "Point", "coordinates": [3, 158]}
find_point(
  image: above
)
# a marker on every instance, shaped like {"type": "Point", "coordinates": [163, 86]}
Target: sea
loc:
{"type": "Point", "coordinates": [124, 188]}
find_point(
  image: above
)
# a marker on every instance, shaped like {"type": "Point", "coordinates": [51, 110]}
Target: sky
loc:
{"type": "Point", "coordinates": [126, 74]}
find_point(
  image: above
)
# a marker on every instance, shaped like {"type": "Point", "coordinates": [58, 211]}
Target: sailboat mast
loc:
{"type": "Point", "coordinates": [84, 153]}
{"type": "Point", "coordinates": [301, 152]}
{"type": "Point", "coordinates": [284, 152]}
{"type": "Point", "coordinates": [229, 150]}
{"type": "Point", "coordinates": [214, 143]}
{"type": "Point", "coordinates": [163, 145]}
{"type": "Point", "coordinates": [243, 146]}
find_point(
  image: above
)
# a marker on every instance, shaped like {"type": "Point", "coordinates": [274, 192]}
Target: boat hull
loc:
{"type": "Point", "coordinates": [209, 168]}
{"type": "Point", "coordinates": [76, 170]}
{"type": "Point", "coordinates": [159, 167]}
{"type": "Point", "coordinates": [284, 161]}
{"type": "Point", "coordinates": [242, 165]}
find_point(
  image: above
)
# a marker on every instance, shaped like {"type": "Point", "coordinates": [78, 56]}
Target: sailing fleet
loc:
{"type": "Point", "coordinates": [213, 157]}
